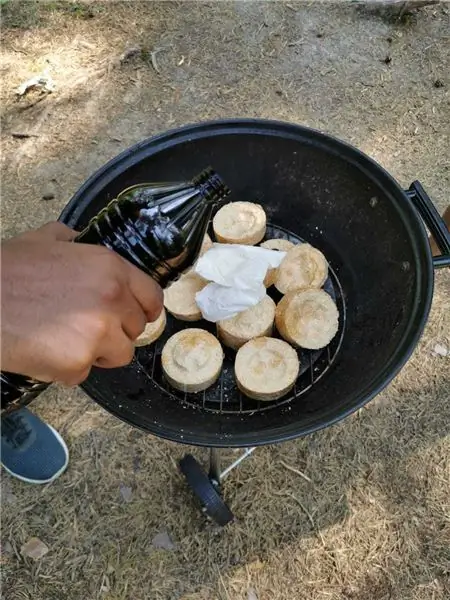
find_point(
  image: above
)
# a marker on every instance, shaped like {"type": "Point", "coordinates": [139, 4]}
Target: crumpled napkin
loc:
{"type": "Point", "coordinates": [236, 274]}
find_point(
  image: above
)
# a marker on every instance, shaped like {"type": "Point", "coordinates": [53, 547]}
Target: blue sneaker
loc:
{"type": "Point", "coordinates": [32, 450]}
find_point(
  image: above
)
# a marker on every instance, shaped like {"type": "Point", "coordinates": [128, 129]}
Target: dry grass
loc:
{"type": "Point", "coordinates": [372, 524]}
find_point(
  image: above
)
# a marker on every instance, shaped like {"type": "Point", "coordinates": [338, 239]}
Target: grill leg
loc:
{"type": "Point", "coordinates": [215, 473]}
{"type": "Point", "coordinates": [237, 462]}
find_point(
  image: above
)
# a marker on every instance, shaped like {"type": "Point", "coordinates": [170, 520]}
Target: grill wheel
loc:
{"type": "Point", "coordinates": [206, 491]}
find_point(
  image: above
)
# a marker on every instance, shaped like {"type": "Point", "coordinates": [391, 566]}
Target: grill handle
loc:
{"type": "Point", "coordinates": [433, 220]}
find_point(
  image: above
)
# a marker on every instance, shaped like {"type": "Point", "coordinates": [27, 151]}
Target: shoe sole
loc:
{"type": "Point", "coordinates": [56, 475]}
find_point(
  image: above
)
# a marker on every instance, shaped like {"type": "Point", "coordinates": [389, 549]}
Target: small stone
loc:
{"type": "Point", "coordinates": [438, 83]}
{"type": "Point", "coordinates": [7, 548]}
{"type": "Point", "coordinates": [7, 495]}
{"type": "Point", "coordinates": [440, 350]}
{"type": "Point", "coordinates": [126, 492]}
{"type": "Point", "coordinates": [251, 594]}
{"type": "Point", "coordinates": [34, 549]}
{"type": "Point", "coordinates": [48, 193]}
{"type": "Point", "coordinates": [136, 463]}
{"type": "Point", "coordinates": [163, 541]}
{"type": "Point", "coordinates": [105, 585]}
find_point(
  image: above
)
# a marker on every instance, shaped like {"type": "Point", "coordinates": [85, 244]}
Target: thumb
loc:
{"type": "Point", "coordinates": [146, 291]}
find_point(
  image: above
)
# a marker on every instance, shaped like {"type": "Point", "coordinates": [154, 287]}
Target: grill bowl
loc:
{"type": "Point", "coordinates": [313, 188]}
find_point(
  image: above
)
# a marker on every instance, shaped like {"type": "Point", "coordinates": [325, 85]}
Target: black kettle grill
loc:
{"type": "Point", "coordinates": [313, 188]}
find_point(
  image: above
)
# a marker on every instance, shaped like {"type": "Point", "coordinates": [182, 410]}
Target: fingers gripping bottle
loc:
{"type": "Point", "coordinates": [158, 227]}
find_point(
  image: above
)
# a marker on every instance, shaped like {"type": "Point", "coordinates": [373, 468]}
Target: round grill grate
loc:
{"type": "Point", "coordinates": [225, 397]}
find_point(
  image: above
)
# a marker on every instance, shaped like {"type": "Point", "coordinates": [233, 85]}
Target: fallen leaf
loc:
{"type": "Point", "coordinates": [163, 541]}
{"type": "Point", "coordinates": [19, 135]}
{"type": "Point", "coordinates": [130, 53]}
{"type": "Point", "coordinates": [34, 549]}
{"type": "Point", "coordinates": [256, 565]}
{"type": "Point", "coordinates": [42, 81]}
{"type": "Point", "coordinates": [126, 492]}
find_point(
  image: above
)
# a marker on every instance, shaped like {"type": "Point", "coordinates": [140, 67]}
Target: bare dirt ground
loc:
{"type": "Point", "coordinates": [373, 523]}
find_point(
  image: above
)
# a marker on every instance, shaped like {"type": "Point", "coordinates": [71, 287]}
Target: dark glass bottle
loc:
{"type": "Point", "coordinates": [159, 227]}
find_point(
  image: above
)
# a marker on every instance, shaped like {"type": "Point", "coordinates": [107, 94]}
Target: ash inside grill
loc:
{"type": "Point", "coordinates": [225, 397]}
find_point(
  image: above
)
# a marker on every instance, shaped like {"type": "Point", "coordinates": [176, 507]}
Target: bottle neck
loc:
{"type": "Point", "coordinates": [210, 186]}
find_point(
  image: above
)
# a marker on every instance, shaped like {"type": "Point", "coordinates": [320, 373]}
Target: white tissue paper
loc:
{"type": "Point", "coordinates": [237, 274]}
{"type": "Point", "coordinates": [218, 302]}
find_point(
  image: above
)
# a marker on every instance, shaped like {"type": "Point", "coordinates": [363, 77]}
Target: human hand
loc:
{"type": "Point", "coordinates": [67, 307]}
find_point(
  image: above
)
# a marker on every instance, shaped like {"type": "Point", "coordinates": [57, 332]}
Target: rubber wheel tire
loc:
{"type": "Point", "coordinates": [205, 491]}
